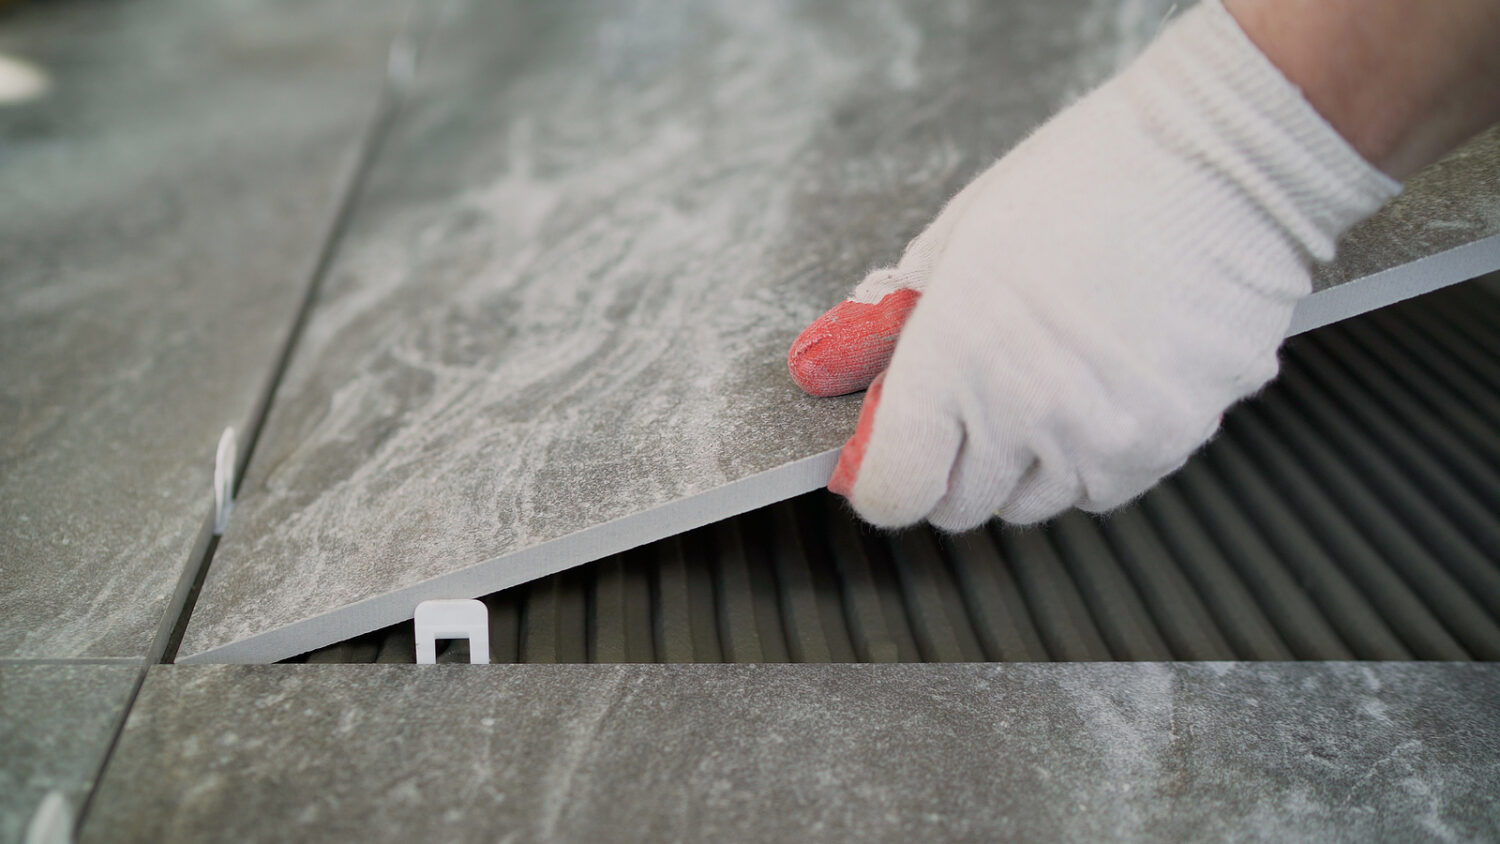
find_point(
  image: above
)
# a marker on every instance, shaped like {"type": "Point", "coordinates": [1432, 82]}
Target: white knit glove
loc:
{"type": "Point", "coordinates": [1091, 304]}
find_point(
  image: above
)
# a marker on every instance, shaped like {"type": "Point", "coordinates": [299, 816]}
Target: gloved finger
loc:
{"type": "Point", "coordinates": [981, 480]}
{"type": "Point", "coordinates": [896, 466]}
{"type": "Point", "coordinates": [1045, 489]}
{"type": "Point", "coordinates": [844, 349]}
{"type": "Point", "coordinates": [1121, 484]}
{"type": "Point", "coordinates": [1123, 487]}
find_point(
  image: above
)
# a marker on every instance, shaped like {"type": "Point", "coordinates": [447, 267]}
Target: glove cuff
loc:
{"type": "Point", "coordinates": [1206, 90]}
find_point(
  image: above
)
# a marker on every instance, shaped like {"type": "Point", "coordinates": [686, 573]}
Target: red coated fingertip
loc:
{"type": "Point", "coordinates": [843, 350]}
{"type": "Point", "coordinates": [853, 453]}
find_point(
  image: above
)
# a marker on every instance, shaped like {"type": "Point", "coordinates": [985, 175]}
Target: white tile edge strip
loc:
{"type": "Point", "coordinates": [1318, 309]}
{"type": "Point", "coordinates": [1388, 287]}
{"type": "Point", "coordinates": [502, 572]}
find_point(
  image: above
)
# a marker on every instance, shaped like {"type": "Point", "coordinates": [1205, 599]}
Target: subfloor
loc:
{"type": "Point", "coordinates": [367, 235]}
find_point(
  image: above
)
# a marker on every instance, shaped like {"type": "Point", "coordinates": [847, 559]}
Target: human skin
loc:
{"type": "Point", "coordinates": [1404, 81]}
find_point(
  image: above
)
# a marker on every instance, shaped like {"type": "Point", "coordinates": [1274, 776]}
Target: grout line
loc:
{"type": "Point", "coordinates": [184, 594]}
{"type": "Point", "coordinates": [385, 110]}
{"type": "Point", "coordinates": [109, 752]}
{"type": "Point", "coordinates": [166, 653]}
{"type": "Point", "coordinates": [174, 624]}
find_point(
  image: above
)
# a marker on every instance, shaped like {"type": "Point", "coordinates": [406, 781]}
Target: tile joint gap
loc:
{"type": "Point", "coordinates": [174, 625]}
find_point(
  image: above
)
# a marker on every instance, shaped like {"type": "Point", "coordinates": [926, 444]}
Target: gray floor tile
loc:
{"type": "Point", "coordinates": [164, 207]}
{"type": "Point", "coordinates": [56, 725]}
{"type": "Point", "coordinates": [557, 326]}
{"type": "Point", "coordinates": [1078, 752]}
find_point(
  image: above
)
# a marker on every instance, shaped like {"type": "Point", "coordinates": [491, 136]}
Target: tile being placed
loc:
{"type": "Point", "coordinates": [557, 325]}
{"type": "Point", "coordinates": [1024, 752]}
{"type": "Point", "coordinates": [166, 199]}
{"type": "Point", "coordinates": [556, 328]}
{"type": "Point", "coordinates": [57, 722]}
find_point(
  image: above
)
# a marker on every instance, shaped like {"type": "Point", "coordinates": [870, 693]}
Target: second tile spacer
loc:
{"type": "Point", "coordinates": [463, 618]}
{"type": "Point", "coordinates": [224, 480]}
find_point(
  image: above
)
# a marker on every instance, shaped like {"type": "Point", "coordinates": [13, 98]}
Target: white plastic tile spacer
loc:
{"type": "Point", "coordinates": [20, 80]}
{"type": "Point", "coordinates": [463, 618]}
{"type": "Point", "coordinates": [224, 481]}
{"type": "Point", "coordinates": [53, 821]}
{"type": "Point", "coordinates": [401, 63]}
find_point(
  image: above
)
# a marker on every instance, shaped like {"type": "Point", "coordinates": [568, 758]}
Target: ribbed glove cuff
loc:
{"type": "Point", "coordinates": [1208, 92]}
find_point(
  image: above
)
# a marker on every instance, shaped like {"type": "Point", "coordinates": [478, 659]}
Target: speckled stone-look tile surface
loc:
{"type": "Point", "coordinates": [56, 724]}
{"type": "Point", "coordinates": [1072, 752]}
{"type": "Point", "coordinates": [164, 205]}
{"type": "Point", "coordinates": [557, 326]}
{"type": "Point", "coordinates": [565, 299]}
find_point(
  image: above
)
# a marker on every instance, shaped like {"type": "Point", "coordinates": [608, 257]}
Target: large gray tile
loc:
{"type": "Point", "coordinates": [558, 324]}
{"type": "Point", "coordinates": [164, 207]}
{"type": "Point", "coordinates": [1082, 752]}
{"type": "Point", "coordinates": [56, 725]}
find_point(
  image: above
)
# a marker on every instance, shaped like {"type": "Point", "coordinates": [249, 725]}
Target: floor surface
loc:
{"type": "Point", "coordinates": [543, 325]}
{"type": "Point", "coordinates": [555, 328]}
{"type": "Point", "coordinates": [1118, 752]}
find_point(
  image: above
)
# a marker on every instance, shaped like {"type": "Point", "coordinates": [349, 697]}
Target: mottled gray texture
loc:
{"type": "Point", "coordinates": [56, 724]}
{"type": "Point", "coordinates": [1076, 752]}
{"type": "Point", "coordinates": [566, 296]}
{"type": "Point", "coordinates": [558, 324]}
{"type": "Point", "coordinates": [163, 210]}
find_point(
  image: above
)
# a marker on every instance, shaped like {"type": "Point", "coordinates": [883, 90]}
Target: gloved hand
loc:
{"type": "Point", "coordinates": [1082, 314]}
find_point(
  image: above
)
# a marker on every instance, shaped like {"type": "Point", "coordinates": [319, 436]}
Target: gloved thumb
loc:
{"type": "Point", "coordinates": [844, 349]}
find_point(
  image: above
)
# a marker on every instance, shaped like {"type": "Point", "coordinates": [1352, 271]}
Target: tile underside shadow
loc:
{"type": "Point", "coordinates": [556, 328]}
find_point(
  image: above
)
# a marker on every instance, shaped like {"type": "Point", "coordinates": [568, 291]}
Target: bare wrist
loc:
{"type": "Point", "coordinates": [1404, 81]}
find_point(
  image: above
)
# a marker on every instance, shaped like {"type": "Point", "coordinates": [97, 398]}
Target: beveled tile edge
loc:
{"type": "Point", "coordinates": [1388, 287]}
{"type": "Point", "coordinates": [758, 490]}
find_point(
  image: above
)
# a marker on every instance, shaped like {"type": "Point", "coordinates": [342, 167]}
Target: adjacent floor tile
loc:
{"type": "Point", "coordinates": [557, 326]}
{"type": "Point", "coordinates": [1076, 752]}
{"type": "Point", "coordinates": [56, 725]}
{"type": "Point", "coordinates": [166, 199]}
